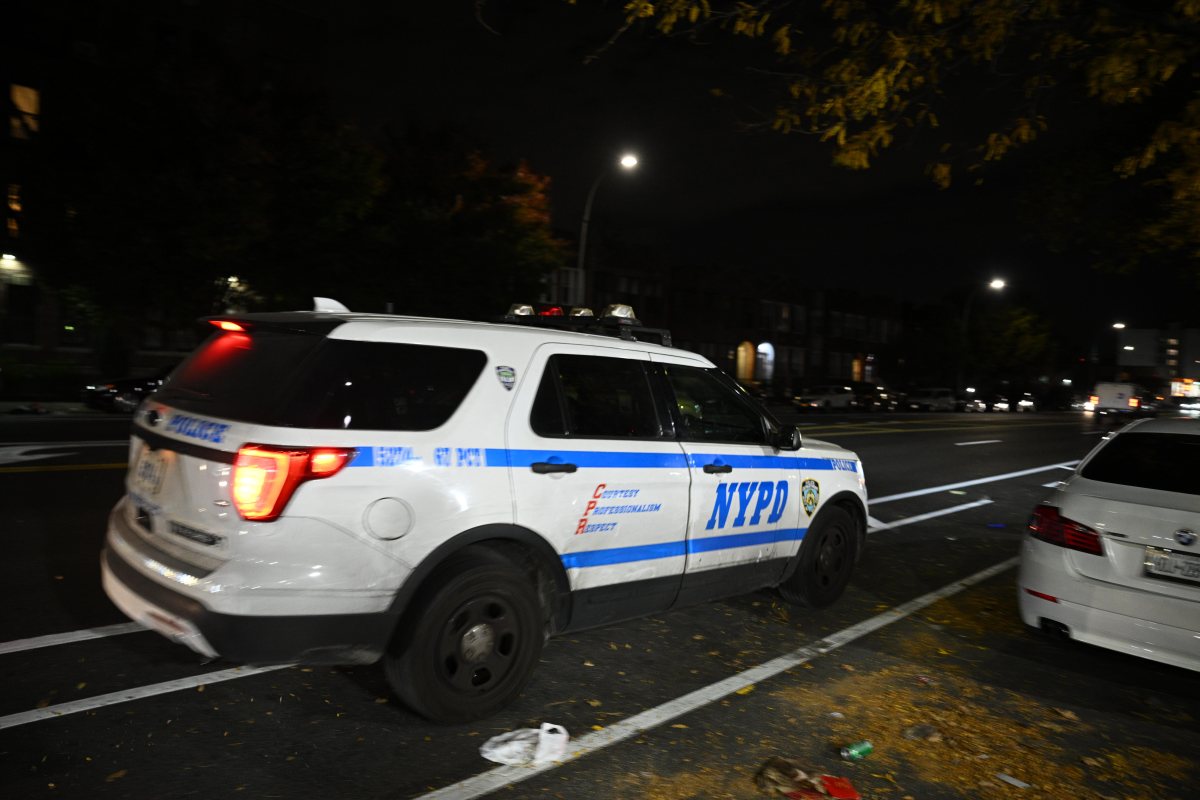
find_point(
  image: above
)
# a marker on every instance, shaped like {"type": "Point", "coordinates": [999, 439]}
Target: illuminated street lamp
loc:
{"type": "Point", "coordinates": [628, 162]}
{"type": "Point", "coordinates": [995, 284]}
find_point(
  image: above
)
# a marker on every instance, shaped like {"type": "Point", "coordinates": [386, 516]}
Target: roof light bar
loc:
{"type": "Point", "coordinates": [227, 325]}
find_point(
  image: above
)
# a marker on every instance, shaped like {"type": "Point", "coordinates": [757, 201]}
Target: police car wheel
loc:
{"type": "Point", "coordinates": [474, 642]}
{"type": "Point", "coordinates": [827, 558]}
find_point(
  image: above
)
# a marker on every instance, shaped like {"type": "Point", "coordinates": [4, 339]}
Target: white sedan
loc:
{"type": "Point", "coordinates": [1113, 556]}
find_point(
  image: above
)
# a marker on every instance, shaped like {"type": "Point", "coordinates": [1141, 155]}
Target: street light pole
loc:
{"type": "Point", "coordinates": [996, 284]}
{"type": "Point", "coordinates": [627, 162]}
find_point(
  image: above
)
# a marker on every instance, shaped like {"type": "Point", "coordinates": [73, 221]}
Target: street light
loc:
{"type": "Point", "coordinates": [995, 284]}
{"type": "Point", "coordinates": [627, 162]}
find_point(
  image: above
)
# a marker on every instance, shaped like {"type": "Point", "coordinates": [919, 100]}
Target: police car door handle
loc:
{"type": "Point", "coordinates": [545, 467]}
{"type": "Point", "coordinates": [713, 469]}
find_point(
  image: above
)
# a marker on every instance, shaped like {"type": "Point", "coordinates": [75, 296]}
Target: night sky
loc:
{"type": "Point", "coordinates": [709, 192]}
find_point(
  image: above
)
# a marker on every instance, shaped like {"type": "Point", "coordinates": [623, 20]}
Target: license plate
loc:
{"type": "Point", "coordinates": [1169, 564]}
{"type": "Point", "coordinates": [149, 471]}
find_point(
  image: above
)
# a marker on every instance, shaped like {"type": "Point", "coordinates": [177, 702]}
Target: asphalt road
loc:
{"type": "Point", "coordinates": [682, 705]}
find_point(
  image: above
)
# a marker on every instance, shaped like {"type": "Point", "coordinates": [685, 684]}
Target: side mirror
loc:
{"type": "Point", "coordinates": [786, 438]}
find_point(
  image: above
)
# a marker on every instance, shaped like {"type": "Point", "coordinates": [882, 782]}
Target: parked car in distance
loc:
{"type": "Point", "coordinates": [875, 397]}
{"type": "Point", "coordinates": [975, 403]}
{"type": "Point", "coordinates": [936, 399]}
{"type": "Point", "coordinates": [1113, 555]}
{"type": "Point", "coordinates": [123, 395]}
{"type": "Point", "coordinates": [826, 398]}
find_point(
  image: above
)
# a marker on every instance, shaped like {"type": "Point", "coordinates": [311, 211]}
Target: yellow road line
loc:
{"type": "Point", "coordinates": [63, 468]}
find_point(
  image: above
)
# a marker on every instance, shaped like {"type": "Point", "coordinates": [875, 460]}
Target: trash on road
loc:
{"type": "Point", "coordinates": [922, 733]}
{"type": "Point", "coordinates": [527, 746]}
{"type": "Point", "coordinates": [1004, 776]}
{"type": "Point", "coordinates": [839, 788]}
{"type": "Point", "coordinates": [857, 751]}
{"type": "Point", "coordinates": [780, 776]}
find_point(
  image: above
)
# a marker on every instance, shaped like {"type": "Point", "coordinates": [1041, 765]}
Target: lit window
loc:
{"type": "Point", "coordinates": [27, 103]}
{"type": "Point", "coordinates": [14, 229]}
{"type": "Point", "coordinates": [14, 198]}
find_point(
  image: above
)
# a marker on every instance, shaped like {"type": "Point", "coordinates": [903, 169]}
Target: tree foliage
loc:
{"type": "Point", "coordinates": [977, 79]}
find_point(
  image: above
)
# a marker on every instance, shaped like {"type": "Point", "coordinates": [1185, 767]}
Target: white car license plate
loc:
{"type": "Point", "coordinates": [1169, 564]}
{"type": "Point", "coordinates": [148, 474]}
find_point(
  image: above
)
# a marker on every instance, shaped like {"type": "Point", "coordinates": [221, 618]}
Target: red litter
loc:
{"type": "Point", "coordinates": [836, 788]}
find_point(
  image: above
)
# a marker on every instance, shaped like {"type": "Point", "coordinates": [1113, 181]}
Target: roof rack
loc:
{"type": "Point", "coordinates": [616, 320]}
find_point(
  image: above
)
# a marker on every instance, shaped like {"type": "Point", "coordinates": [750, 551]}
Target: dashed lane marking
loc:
{"type": "Point", "coordinates": [876, 525]}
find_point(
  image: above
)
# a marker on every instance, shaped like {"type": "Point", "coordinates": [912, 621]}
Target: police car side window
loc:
{"type": "Point", "coordinates": [378, 386]}
{"type": "Point", "coordinates": [595, 397]}
{"type": "Point", "coordinates": [710, 410]}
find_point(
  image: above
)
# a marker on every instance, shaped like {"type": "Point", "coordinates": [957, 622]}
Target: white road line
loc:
{"type": "Point", "coordinates": [17, 453]}
{"type": "Point", "coordinates": [876, 525]}
{"type": "Point", "coordinates": [981, 441]}
{"type": "Point", "coordinates": [501, 777]}
{"type": "Point", "coordinates": [990, 479]}
{"type": "Point", "coordinates": [99, 701]}
{"type": "Point", "coordinates": [50, 640]}
{"type": "Point", "coordinates": [44, 445]}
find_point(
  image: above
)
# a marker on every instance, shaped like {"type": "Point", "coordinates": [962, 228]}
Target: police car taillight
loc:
{"type": "Point", "coordinates": [264, 477]}
{"type": "Point", "coordinates": [227, 325]}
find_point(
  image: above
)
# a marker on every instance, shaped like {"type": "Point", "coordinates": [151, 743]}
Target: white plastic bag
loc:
{"type": "Point", "coordinates": [527, 745]}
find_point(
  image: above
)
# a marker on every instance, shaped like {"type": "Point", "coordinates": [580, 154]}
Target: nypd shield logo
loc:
{"type": "Point", "coordinates": [810, 495]}
{"type": "Point", "coordinates": [507, 376]}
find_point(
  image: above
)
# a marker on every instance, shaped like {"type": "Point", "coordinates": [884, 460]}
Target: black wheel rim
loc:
{"type": "Point", "coordinates": [478, 645]}
{"type": "Point", "coordinates": [831, 561]}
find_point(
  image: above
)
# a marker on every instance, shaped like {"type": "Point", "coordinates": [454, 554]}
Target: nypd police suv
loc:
{"type": "Point", "coordinates": [331, 487]}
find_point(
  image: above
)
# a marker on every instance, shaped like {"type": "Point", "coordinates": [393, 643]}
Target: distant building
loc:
{"type": "Point", "coordinates": [767, 333]}
{"type": "Point", "coordinates": [1166, 358]}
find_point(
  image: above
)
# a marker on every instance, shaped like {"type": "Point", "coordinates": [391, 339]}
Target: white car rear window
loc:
{"type": "Point", "coordinates": [1164, 461]}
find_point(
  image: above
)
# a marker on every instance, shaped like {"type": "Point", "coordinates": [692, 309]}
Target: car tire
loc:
{"type": "Point", "coordinates": [827, 555]}
{"type": "Point", "coordinates": [472, 642]}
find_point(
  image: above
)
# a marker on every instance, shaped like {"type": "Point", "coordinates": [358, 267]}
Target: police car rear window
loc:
{"type": "Point", "coordinates": [308, 381]}
{"type": "Point", "coordinates": [1164, 461]}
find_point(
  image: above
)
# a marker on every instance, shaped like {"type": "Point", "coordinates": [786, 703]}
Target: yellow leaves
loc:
{"type": "Point", "coordinates": [669, 13]}
{"type": "Point", "coordinates": [745, 690]}
{"type": "Point", "coordinates": [639, 9]}
{"type": "Point", "coordinates": [1026, 130]}
{"type": "Point", "coordinates": [782, 40]}
{"type": "Point", "coordinates": [747, 20]}
{"type": "Point", "coordinates": [940, 173]}
{"type": "Point", "coordinates": [837, 132]}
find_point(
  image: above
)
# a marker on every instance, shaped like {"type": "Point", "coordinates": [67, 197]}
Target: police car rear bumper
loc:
{"type": "Point", "coordinates": [308, 639]}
